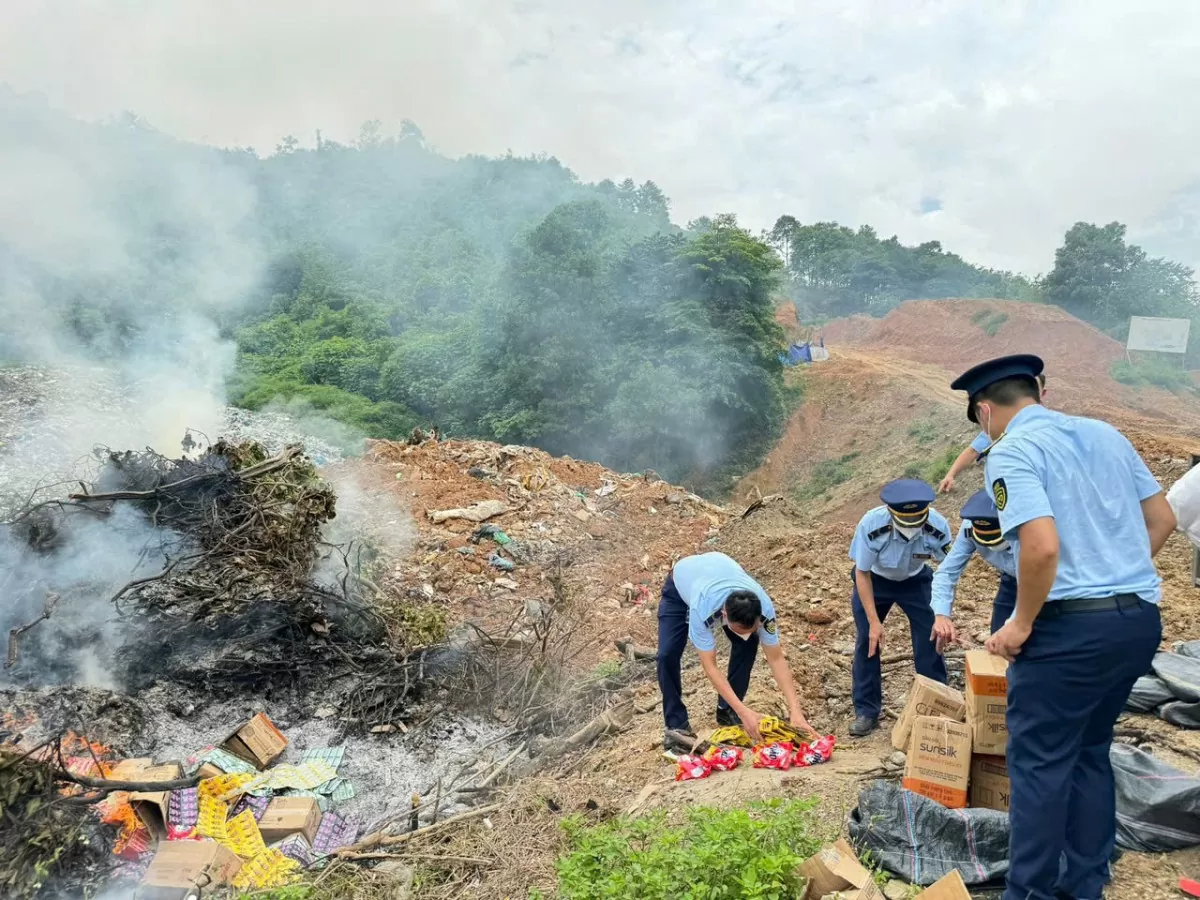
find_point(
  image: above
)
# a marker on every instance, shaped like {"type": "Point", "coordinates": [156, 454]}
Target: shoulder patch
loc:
{"type": "Point", "coordinates": [1000, 494]}
{"type": "Point", "coordinates": [878, 532]}
{"type": "Point", "coordinates": [946, 548]}
{"type": "Point", "coordinates": [936, 532]}
{"type": "Point", "coordinates": [769, 626]}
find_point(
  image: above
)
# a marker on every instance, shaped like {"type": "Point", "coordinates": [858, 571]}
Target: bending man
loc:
{"type": "Point", "coordinates": [702, 594]}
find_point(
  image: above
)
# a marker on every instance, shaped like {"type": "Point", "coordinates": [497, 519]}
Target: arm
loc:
{"type": "Point", "coordinates": [964, 461]}
{"type": "Point", "coordinates": [1037, 565]}
{"type": "Point", "coordinates": [948, 573]}
{"type": "Point", "coordinates": [1160, 521]}
{"type": "Point", "coordinates": [866, 596]}
{"type": "Point", "coordinates": [783, 677]}
{"type": "Point", "coordinates": [750, 719]}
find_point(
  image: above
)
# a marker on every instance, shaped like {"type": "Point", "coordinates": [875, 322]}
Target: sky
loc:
{"type": "Point", "coordinates": [991, 127]}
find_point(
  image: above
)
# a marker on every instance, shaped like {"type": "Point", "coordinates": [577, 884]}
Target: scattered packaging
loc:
{"type": "Point", "coordinates": [286, 816]}
{"type": "Point", "coordinates": [939, 761]}
{"type": "Point", "coordinates": [773, 756]}
{"type": "Point", "coordinates": [208, 770]}
{"type": "Point", "coordinates": [987, 701]}
{"type": "Point", "coordinates": [258, 742]}
{"type": "Point", "coordinates": [836, 870]}
{"type": "Point", "coordinates": [949, 887]}
{"type": "Point", "coordinates": [127, 769]}
{"type": "Point", "coordinates": [179, 866]}
{"type": "Point", "coordinates": [724, 759]}
{"type": "Point", "coordinates": [153, 808]}
{"type": "Point", "coordinates": [927, 697]}
{"type": "Point", "coordinates": [819, 751]}
{"type": "Point", "coordinates": [689, 768]}
{"type": "Point", "coordinates": [989, 782]}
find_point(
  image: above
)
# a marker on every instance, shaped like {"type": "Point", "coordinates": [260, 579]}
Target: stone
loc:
{"type": "Point", "coordinates": [895, 890]}
{"type": "Point", "coordinates": [898, 759]}
{"type": "Point", "coordinates": [819, 616]}
{"type": "Point", "coordinates": [982, 636]}
{"type": "Point", "coordinates": [845, 648]}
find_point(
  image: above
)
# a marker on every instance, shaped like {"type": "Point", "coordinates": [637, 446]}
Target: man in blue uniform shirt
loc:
{"type": "Point", "coordinates": [979, 533]}
{"type": "Point", "coordinates": [892, 548]}
{"type": "Point", "coordinates": [704, 593]}
{"type": "Point", "coordinates": [1085, 518]}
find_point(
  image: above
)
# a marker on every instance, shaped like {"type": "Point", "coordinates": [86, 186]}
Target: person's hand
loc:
{"type": "Point", "coordinates": [946, 484]}
{"type": "Point", "coordinates": [1007, 642]}
{"type": "Point", "coordinates": [750, 723]}
{"type": "Point", "coordinates": [943, 634]}
{"type": "Point", "coordinates": [800, 723]}
{"type": "Point", "coordinates": [875, 639]}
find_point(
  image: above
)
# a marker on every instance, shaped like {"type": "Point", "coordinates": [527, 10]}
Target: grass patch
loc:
{"type": "Point", "coordinates": [715, 854]}
{"type": "Point", "coordinates": [1154, 373]}
{"type": "Point", "coordinates": [989, 320]}
{"type": "Point", "coordinates": [827, 474]}
{"type": "Point", "coordinates": [794, 389]}
{"type": "Point", "coordinates": [932, 470]}
{"type": "Point", "coordinates": [923, 432]}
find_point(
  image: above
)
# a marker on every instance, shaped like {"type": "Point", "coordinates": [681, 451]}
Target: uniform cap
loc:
{"type": "Point", "coordinates": [974, 380]}
{"type": "Point", "coordinates": [980, 506]}
{"type": "Point", "coordinates": [907, 495]}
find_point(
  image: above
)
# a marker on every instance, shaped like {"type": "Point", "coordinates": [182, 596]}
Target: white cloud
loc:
{"type": "Point", "coordinates": [1017, 118]}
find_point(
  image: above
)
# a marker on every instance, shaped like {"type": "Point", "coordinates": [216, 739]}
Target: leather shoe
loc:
{"type": "Point", "coordinates": [863, 725]}
{"type": "Point", "coordinates": [727, 717]}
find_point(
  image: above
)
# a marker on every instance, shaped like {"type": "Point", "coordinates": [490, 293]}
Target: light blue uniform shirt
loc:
{"type": "Point", "coordinates": [945, 579]}
{"type": "Point", "coordinates": [880, 549]}
{"type": "Point", "coordinates": [981, 443]}
{"type": "Point", "coordinates": [1087, 476]}
{"type": "Point", "coordinates": [704, 581]}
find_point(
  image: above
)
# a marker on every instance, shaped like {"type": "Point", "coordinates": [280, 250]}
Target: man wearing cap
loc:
{"type": "Point", "coordinates": [979, 533]}
{"type": "Point", "coordinates": [702, 594]}
{"type": "Point", "coordinates": [1085, 518]}
{"type": "Point", "coordinates": [892, 548]}
{"type": "Point", "coordinates": [976, 449]}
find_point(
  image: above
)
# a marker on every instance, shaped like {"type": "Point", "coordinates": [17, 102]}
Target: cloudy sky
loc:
{"type": "Point", "coordinates": [989, 126]}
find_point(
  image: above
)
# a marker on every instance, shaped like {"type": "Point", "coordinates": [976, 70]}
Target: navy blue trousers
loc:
{"type": "Point", "coordinates": [912, 596]}
{"type": "Point", "coordinates": [672, 641]}
{"type": "Point", "coordinates": [1005, 602]}
{"type": "Point", "coordinates": [1065, 691]}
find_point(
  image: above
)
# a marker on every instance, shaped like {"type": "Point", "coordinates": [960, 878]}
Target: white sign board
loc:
{"type": "Point", "coordinates": [1158, 335]}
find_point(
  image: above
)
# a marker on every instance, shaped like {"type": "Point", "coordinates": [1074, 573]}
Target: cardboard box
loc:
{"type": "Point", "coordinates": [950, 887]}
{"type": "Point", "coordinates": [836, 868]}
{"type": "Point", "coordinates": [286, 816]}
{"type": "Point", "coordinates": [179, 866]}
{"type": "Point", "coordinates": [939, 761]}
{"type": "Point", "coordinates": [152, 808]}
{"type": "Point", "coordinates": [127, 769]}
{"type": "Point", "coordinates": [927, 697]}
{"type": "Point", "coordinates": [987, 701]}
{"type": "Point", "coordinates": [258, 742]}
{"type": "Point", "coordinates": [208, 770]}
{"type": "Point", "coordinates": [989, 782]}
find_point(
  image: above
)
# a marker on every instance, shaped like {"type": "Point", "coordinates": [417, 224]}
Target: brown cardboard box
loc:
{"type": "Point", "coordinates": [987, 701]}
{"type": "Point", "coordinates": [181, 865]}
{"type": "Point", "coordinates": [989, 782]}
{"type": "Point", "coordinates": [939, 761]}
{"type": "Point", "coordinates": [208, 770]}
{"type": "Point", "coordinates": [258, 742]}
{"type": "Point", "coordinates": [836, 868]}
{"type": "Point", "coordinates": [927, 697]}
{"type": "Point", "coordinates": [286, 816]}
{"type": "Point", "coordinates": [152, 808]}
{"type": "Point", "coordinates": [950, 887]}
{"type": "Point", "coordinates": [127, 769]}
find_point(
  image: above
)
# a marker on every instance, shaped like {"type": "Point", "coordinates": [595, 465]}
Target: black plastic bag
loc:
{"type": "Point", "coordinates": [920, 840]}
{"type": "Point", "coordinates": [1149, 692]}
{"type": "Point", "coordinates": [1180, 714]}
{"type": "Point", "coordinates": [1158, 807]}
{"type": "Point", "coordinates": [1181, 674]}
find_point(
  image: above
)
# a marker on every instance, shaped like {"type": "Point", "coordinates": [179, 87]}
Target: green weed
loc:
{"type": "Point", "coordinates": [1156, 373]}
{"type": "Point", "coordinates": [990, 320]}
{"type": "Point", "coordinates": [827, 474]}
{"type": "Point", "coordinates": [924, 432]}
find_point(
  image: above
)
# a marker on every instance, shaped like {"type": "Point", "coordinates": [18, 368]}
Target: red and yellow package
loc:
{"type": "Point", "coordinates": [817, 752]}
{"type": "Point", "coordinates": [723, 759]}
{"type": "Point", "coordinates": [773, 756]}
{"type": "Point", "coordinates": [688, 768]}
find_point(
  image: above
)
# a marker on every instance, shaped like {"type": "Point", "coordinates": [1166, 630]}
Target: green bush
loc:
{"type": "Point", "coordinates": [1154, 373]}
{"type": "Point", "coordinates": [990, 320]}
{"type": "Point", "coordinates": [827, 474]}
{"type": "Point", "coordinates": [924, 432]}
{"type": "Point", "coordinates": [932, 470]}
{"type": "Point", "coordinates": [716, 854]}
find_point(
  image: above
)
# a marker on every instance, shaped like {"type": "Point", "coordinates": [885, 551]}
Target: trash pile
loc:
{"type": "Point", "coordinates": [1173, 691]}
{"type": "Point", "coordinates": [725, 748]}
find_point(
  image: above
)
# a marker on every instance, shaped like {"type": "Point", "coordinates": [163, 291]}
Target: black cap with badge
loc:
{"type": "Point", "coordinates": [974, 380]}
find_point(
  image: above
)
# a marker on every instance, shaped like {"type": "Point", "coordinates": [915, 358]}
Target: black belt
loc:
{"type": "Point", "coordinates": [1059, 608]}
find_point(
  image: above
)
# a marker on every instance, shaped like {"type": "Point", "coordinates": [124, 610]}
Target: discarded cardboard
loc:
{"type": "Point", "coordinates": [286, 816]}
{"type": "Point", "coordinates": [927, 697]}
{"type": "Point", "coordinates": [948, 887]}
{"type": "Point", "coordinates": [179, 866]}
{"type": "Point", "coordinates": [257, 742]}
{"type": "Point", "coordinates": [987, 701]}
{"type": "Point", "coordinates": [989, 782]}
{"type": "Point", "coordinates": [939, 761]}
{"type": "Point", "coordinates": [127, 769]}
{"type": "Point", "coordinates": [208, 770]}
{"type": "Point", "coordinates": [152, 807]}
{"type": "Point", "coordinates": [836, 869]}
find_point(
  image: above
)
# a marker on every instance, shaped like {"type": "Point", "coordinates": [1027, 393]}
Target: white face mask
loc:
{"type": "Point", "coordinates": [744, 637]}
{"type": "Point", "coordinates": [909, 533]}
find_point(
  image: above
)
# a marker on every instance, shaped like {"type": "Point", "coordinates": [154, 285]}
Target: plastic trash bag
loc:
{"type": "Point", "coordinates": [1180, 714]}
{"type": "Point", "coordinates": [920, 840]}
{"type": "Point", "coordinates": [1149, 692]}
{"type": "Point", "coordinates": [1181, 674]}
{"type": "Point", "coordinates": [1189, 648]}
{"type": "Point", "coordinates": [1158, 807]}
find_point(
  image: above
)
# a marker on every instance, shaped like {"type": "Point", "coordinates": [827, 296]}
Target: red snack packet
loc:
{"type": "Point", "coordinates": [723, 759]}
{"type": "Point", "coordinates": [773, 756]}
{"type": "Point", "coordinates": [817, 752]}
{"type": "Point", "coordinates": [688, 768]}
